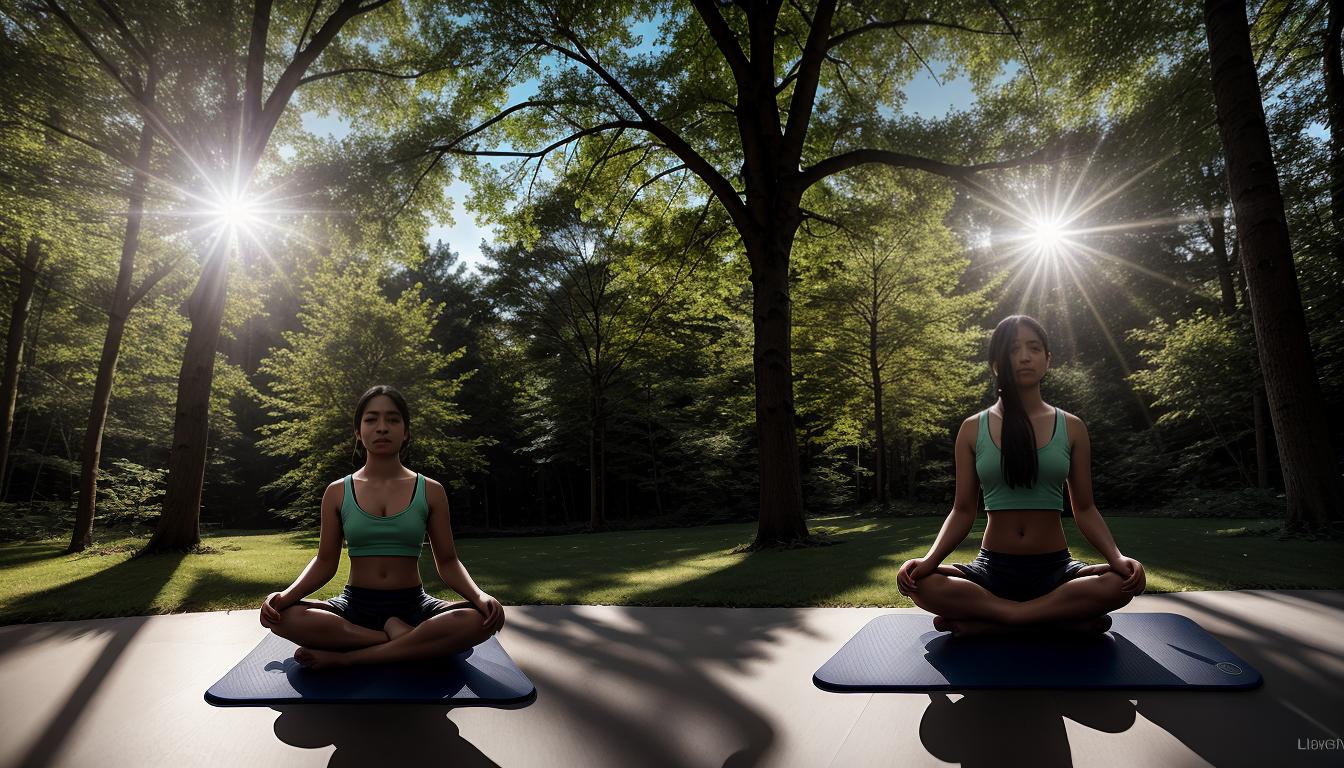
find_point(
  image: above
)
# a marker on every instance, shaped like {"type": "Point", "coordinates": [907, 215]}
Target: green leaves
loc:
{"type": "Point", "coordinates": [352, 337]}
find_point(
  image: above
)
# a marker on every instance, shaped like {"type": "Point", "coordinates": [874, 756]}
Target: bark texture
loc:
{"type": "Point", "coordinates": [91, 452]}
{"type": "Point", "coordinates": [1296, 407]}
{"type": "Point", "coordinates": [18, 320]}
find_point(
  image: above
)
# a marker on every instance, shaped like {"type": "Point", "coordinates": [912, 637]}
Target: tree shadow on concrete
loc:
{"type": "Point", "coordinates": [1299, 699]}
{"type": "Point", "coordinates": [148, 575]}
{"type": "Point", "coordinates": [119, 635]}
{"type": "Point", "coordinates": [667, 656]}
{"type": "Point", "coordinates": [655, 657]}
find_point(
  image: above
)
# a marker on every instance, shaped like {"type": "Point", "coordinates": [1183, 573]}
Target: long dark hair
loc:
{"type": "Point", "coordinates": [1018, 437]}
{"type": "Point", "coordinates": [397, 400]}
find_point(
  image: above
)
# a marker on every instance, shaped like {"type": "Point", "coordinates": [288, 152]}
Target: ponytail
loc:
{"type": "Point", "coordinates": [1018, 455]}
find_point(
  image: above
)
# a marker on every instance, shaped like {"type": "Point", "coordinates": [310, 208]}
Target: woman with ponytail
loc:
{"type": "Point", "coordinates": [383, 511]}
{"type": "Point", "coordinates": [1022, 452]}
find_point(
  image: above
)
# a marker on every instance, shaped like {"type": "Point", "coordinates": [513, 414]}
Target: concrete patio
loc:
{"type": "Point", "coordinates": [627, 687]}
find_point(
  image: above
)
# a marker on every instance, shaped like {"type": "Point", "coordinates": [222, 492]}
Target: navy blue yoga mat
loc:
{"type": "Point", "coordinates": [482, 676]}
{"type": "Point", "coordinates": [902, 652]}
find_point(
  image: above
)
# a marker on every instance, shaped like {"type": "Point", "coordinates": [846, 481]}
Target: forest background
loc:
{"type": "Point", "coordinates": [734, 270]}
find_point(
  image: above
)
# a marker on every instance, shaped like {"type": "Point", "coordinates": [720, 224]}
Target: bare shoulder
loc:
{"type": "Point", "coordinates": [435, 488]}
{"type": "Point", "coordinates": [335, 489]}
{"type": "Point", "coordinates": [1074, 425]}
{"type": "Point", "coordinates": [969, 426]}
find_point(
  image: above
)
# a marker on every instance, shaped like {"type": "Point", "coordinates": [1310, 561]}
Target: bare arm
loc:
{"type": "Point", "coordinates": [1085, 513]}
{"type": "Point", "coordinates": [321, 568]}
{"type": "Point", "coordinates": [966, 502]}
{"type": "Point", "coordinates": [450, 568]}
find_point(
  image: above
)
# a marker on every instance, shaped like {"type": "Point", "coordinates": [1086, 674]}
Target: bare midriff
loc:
{"type": "Point", "coordinates": [1024, 532]}
{"type": "Point", "coordinates": [385, 572]}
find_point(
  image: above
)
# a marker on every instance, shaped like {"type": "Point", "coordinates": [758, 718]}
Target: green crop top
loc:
{"type": "Point", "coordinates": [399, 534]}
{"type": "Point", "coordinates": [1052, 469]}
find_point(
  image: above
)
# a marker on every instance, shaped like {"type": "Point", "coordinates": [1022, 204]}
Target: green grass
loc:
{"type": "Point", "coordinates": [679, 566]}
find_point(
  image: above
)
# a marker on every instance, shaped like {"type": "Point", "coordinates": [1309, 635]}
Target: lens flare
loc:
{"type": "Point", "coordinates": [235, 212]}
{"type": "Point", "coordinates": [1048, 238]}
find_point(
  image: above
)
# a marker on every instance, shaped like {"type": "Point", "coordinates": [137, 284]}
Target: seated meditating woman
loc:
{"type": "Point", "coordinates": [383, 511]}
{"type": "Point", "coordinates": [1021, 451]}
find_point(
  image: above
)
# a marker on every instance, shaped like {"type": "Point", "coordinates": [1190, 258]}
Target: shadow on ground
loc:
{"type": "Point", "coordinates": [1299, 699]}
{"type": "Point", "coordinates": [118, 634]}
{"type": "Point", "coordinates": [996, 728]}
{"type": "Point", "coordinates": [379, 735]}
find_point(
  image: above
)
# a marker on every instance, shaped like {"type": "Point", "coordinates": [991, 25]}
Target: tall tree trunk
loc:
{"type": "Point", "coordinates": [1311, 479]}
{"type": "Point", "coordinates": [1334, 110]}
{"type": "Point", "coordinates": [1262, 429]}
{"type": "Point", "coordinates": [596, 451]}
{"type": "Point", "coordinates": [880, 452]}
{"type": "Point", "coordinates": [1218, 239]}
{"type": "Point", "coordinates": [179, 527]}
{"type": "Point", "coordinates": [91, 453]}
{"type": "Point", "coordinates": [781, 493]}
{"type": "Point", "coordinates": [911, 467]}
{"type": "Point", "coordinates": [18, 319]}
{"type": "Point", "coordinates": [653, 451]}
{"type": "Point", "coordinates": [1263, 454]}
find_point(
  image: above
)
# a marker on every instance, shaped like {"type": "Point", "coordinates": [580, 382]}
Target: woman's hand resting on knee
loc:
{"type": "Point", "coordinates": [911, 572]}
{"type": "Point", "coordinates": [1135, 579]}
{"type": "Point", "coordinates": [271, 608]}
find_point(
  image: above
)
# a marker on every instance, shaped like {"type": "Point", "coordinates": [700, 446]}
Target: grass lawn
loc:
{"type": "Point", "coordinates": [680, 566]}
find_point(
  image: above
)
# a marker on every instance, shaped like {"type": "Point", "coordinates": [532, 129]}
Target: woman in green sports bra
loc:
{"type": "Point", "coordinates": [383, 511]}
{"type": "Point", "coordinates": [1021, 452]}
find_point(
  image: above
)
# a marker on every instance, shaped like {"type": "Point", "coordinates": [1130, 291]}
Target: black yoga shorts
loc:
{"type": "Point", "coordinates": [373, 607]}
{"type": "Point", "coordinates": [1021, 577]}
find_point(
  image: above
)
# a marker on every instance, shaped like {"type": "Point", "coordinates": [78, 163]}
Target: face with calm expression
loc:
{"type": "Point", "coordinates": [382, 430]}
{"type": "Point", "coordinates": [1028, 356]}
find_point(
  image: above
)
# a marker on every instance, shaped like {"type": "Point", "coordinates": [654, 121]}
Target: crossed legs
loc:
{"type": "Point", "coordinates": [964, 605]}
{"type": "Point", "coordinates": [328, 640]}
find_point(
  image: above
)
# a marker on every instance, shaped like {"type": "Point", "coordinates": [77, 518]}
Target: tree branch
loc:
{"type": "Point", "coordinates": [716, 182]}
{"type": "Point", "coordinates": [151, 280]}
{"type": "Point", "coordinates": [809, 75]}
{"type": "Point", "coordinates": [961, 173]}
{"type": "Point", "coordinates": [1017, 37]}
{"type": "Point", "coordinates": [524, 105]}
{"type": "Point", "coordinates": [724, 39]}
{"type": "Point", "coordinates": [897, 23]}
{"type": "Point", "coordinates": [550, 147]}
{"type": "Point", "coordinates": [253, 75]}
{"type": "Point", "coordinates": [352, 70]}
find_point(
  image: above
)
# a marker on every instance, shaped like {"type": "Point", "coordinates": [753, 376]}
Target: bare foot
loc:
{"type": "Point", "coordinates": [968, 628]}
{"type": "Point", "coordinates": [395, 628]}
{"type": "Point", "coordinates": [1093, 570]}
{"type": "Point", "coordinates": [315, 659]}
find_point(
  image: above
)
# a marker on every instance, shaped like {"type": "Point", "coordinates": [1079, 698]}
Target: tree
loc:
{"type": "Point", "coordinates": [219, 135]}
{"type": "Point", "coordinates": [351, 338]}
{"type": "Point", "coordinates": [884, 310]}
{"type": "Point", "coordinates": [731, 96]}
{"type": "Point", "coordinates": [1202, 373]}
{"type": "Point", "coordinates": [1311, 479]}
{"type": "Point", "coordinates": [1333, 67]}
{"type": "Point", "coordinates": [585, 297]}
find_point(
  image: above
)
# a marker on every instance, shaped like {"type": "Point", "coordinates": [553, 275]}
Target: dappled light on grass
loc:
{"type": "Point", "coordinates": [686, 566]}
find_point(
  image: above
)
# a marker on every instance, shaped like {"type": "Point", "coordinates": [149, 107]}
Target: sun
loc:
{"type": "Point", "coordinates": [1047, 238]}
{"type": "Point", "coordinates": [235, 212]}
